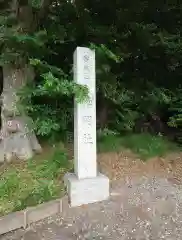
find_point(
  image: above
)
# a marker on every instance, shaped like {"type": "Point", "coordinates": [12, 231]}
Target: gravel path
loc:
{"type": "Point", "coordinates": [140, 209]}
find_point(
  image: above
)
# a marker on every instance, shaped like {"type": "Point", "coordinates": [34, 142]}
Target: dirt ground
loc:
{"type": "Point", "coordinates": [145, 203]}
{"type": "Point", "coordinates": [125, 164]}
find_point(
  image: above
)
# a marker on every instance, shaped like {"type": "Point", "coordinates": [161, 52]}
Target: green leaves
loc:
{"type": "Point", "coordinates": [55, 81]}
{"type": "Point", "coordinates": [81, 93]}
{"type": "Point", "coordinates": [176, 109]}
{"type": "Point", "coordinates": [138, 50]}
{"type": "Point", "coordinates": [103, 49]}
{"type": "Point", "coordinates": [46, 126]}
{"type": "Point", "coordinates": [36, 3]}
{"type": "Point", "coordinates": [18, 46]}
{"type": "Point", "coordinates": [54, 87]}
{"type": "Point", "coordinates": [43, 66]}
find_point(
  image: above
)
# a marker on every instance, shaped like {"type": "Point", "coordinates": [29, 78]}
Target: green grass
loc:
{"type": "Point", "coordinates": [144, 145]}
{"type": "Point", "coordinates": [40, 179]}
{"type": "Point", "coordinates": [33, 182]}
{"type": "Point", "coordinates": [109, 143]}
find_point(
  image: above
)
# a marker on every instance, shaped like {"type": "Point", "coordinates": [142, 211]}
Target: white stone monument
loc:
{"type": "Point", "coordinates": [86, 185]}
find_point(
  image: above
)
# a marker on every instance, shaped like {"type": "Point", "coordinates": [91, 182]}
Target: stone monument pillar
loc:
{"type": "Point", "coordinates": [86, 185]}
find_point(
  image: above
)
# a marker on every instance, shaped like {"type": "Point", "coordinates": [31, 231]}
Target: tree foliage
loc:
{"type": "Point", "coordinates": [138, 53]}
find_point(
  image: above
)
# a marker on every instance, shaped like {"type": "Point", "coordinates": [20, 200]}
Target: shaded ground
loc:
{"type": "Point", "coordinates": [124, 164]}
{"type": "Point", "coordinates": [145, 203]}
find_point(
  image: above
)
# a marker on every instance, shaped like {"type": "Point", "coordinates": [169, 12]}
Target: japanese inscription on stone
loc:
{"type": "Point", "coordinates": [85, 115]}
{"type": "Point", "coordinates": [87, 119]}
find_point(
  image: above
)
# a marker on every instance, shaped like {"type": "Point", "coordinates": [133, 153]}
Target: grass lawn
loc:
{"type": "Point", "coordinates": [36, 181]}
{"type": "Point", "coordinates": [40, 179]}
{"type": "Point", "coordinates": [145, 146]}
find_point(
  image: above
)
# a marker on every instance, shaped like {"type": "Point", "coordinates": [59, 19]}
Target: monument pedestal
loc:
{"type": "Point", "coordinates": [87, 190]}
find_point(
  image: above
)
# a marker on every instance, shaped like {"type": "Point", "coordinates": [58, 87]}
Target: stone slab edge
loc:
{"type": "Point", "coordinates": [24, 218]}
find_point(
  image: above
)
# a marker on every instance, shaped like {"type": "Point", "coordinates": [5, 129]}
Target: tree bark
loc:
{"type": "Point", "coordinates": [18, 140]}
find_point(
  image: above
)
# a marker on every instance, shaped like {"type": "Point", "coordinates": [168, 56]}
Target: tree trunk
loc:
{"type": "Point", "coordinates": [18, 140]}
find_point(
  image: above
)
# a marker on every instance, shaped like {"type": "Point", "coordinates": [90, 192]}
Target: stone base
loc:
{"type": "Point", "coordinates": [88, 190]}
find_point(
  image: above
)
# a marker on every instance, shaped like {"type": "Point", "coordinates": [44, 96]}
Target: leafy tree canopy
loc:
{"type": "Point", "coordinates": [138, 52]}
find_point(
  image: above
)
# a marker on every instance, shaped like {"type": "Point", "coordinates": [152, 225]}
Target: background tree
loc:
{"type": "Point", "coordinates": [138, 54]}
{"type": "Point", "coordinates": [24, 44]}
